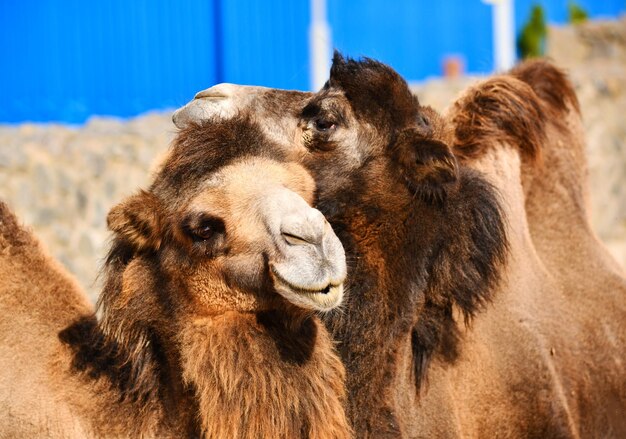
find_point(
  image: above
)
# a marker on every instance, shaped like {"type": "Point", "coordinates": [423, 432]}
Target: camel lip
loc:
{"type": "Point", "coordinates": [323, 298]}
{"type": "Point", "coordinates": [297, 288]}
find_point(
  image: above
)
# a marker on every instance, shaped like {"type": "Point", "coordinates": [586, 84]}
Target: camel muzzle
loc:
{"type": "Point", "coordinates": [311, 269]}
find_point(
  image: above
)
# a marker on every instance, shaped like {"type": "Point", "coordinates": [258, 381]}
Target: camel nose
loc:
{"type": "Point", "coordinates": [305, 228]}
{"type": "Point", "coordinates": [217, 101]}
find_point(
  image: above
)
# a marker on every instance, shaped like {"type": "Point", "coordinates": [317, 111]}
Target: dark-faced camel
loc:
{"type": "Point", "coordinates": [208, 323]}
{"type": "Point", "coordinates": [533, 364]}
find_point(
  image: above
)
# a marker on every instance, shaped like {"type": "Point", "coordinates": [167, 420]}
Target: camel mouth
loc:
{"type": "Point", "coordinates": [316, 297]}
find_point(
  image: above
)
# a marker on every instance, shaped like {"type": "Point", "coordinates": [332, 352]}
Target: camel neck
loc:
{"type": "Point", "coordinates": [255, 376]}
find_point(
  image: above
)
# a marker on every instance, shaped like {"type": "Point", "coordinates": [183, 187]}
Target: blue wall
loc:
{"type": "Point", "coordinates": [64, 60]}
{"type": "Point", "coordinates": [415, 36]}
{"type": "Point", "coordinates": [265, 42]}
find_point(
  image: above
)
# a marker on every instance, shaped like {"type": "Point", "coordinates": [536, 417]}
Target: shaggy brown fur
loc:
{"type": "Point", "coordinates": [427, 237]}
{"type": "Point", "coordinates": [251, 400]}
{"type": "Point", "coordinates": [193, 340]}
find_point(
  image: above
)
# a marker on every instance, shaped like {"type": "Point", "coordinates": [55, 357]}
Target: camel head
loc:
{"type": "Point", "coordinates": [233, 227]}
{"type": "Point", "coordinates": [226, 226]}
{"type": "Point", "coordinates": [366, 113]}
{"type": "Point", "coordinates": [212, 287]}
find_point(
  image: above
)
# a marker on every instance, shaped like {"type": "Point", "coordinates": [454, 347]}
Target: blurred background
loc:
{"type": "Point", "coordinates": [65, 60]}
{"type": "Point", "coordinates": [87, 88]}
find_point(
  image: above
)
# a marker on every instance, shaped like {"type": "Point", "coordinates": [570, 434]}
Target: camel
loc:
{"type": "Point", "coordinates": [525, 367]}
{"type": "Point", "coordinates": [591, 284]}
{"type": "Point", "coordinates": [567, 331]}
{"type": "Point", "coordinates": [209, 326]}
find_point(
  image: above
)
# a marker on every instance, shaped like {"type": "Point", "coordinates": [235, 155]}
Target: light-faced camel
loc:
{"type": "Point", "coordinates": [533, 364]}
{"type": "Point", "coordinates": [209, 323]}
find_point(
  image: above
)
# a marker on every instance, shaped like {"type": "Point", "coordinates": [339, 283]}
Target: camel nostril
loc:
{"type": "Point", "coordinates": [295, 240]}
{"type": "Point", "coordinates": [219, 91]}
{"type": "Point", "coordinates": [306, 226]}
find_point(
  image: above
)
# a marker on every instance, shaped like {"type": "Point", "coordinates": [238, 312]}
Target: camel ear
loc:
{"type": "Point", "coordinates": [137, 220]}
{"type": "Point", "coordinates": [428, 166]}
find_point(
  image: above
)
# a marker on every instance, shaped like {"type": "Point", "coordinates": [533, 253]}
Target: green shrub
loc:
{"type": "Point", "coordinates": [577, 14]}
{"type": "Point", "coordinates": [531, 40]}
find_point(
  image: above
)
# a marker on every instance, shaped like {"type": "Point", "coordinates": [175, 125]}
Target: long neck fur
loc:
{"type": "Point", "coordinates": [256, 376]}
{"type": "Point", "coordinates": [243, 375]}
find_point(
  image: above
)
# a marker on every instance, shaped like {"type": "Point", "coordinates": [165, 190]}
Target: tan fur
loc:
{"type": "Point", "coordinates": [546, 359]}
{"type": "Point", "coordinates": [39, 395]}
{"type": "Point", "coordinates": [558, 206]}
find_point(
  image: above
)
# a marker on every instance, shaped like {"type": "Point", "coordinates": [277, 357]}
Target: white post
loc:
{"type": "Point", "coordinates": [319, 45]}
{"type": "Point", "coordinates": [503, 34]}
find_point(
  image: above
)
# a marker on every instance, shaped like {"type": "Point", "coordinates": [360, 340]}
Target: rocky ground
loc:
{"type": "Point", "coordinates": [62, 180]}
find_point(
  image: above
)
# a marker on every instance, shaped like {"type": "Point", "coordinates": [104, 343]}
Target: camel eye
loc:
{"type": "Point", "coordinates": [324, 125]}
{"type": "Point", "coordinates": [204, 228]}
{"type": "Point", "coordinates": [204, 232]}
{"type": "Point", "coordinates": [422, 121]}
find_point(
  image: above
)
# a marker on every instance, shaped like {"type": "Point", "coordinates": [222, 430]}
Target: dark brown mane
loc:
{"type": "Point", "coordinates": [379, 92]}
{"type": "Point", "coordinates": [98, 355]}
{"type": "Point", "coordinates": [464, 270]}
{"type": "Point", "coordinates": [119, 347]}
{"type": "Point", "coordinates": [502, 109]}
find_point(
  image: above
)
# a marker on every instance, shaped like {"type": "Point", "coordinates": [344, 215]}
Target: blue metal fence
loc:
{"type": "Point", "coordinates": [64, 60]}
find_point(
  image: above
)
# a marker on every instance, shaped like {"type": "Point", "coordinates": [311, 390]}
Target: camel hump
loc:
{"type": "Point", "coordinates": [12, 233]}
{"type": "Point", "coordinates": [550, 83]}
{"type": "Point", "coordinates": [503, 109]}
